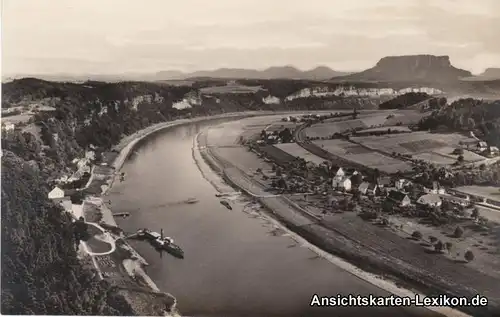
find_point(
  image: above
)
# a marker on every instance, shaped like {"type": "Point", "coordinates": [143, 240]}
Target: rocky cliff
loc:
{"type": "Point", "coordinates": [411, 68]}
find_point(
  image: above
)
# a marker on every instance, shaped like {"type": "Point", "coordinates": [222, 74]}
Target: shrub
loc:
{"type": "Point", "coordinates": [417, 235]}
{"type": "Point", "coordinates": [459, 232]}
{"type": "Point", "coordinates": [469, 256]}
{"type": "Point", "coordinates": [449, 246]}
{"type": "Point", "coordinates": [432, 239]}
{"type": "Point", "coordinates": [439, 246]}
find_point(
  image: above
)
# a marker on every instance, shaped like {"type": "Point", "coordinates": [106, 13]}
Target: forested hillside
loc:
{"type": "Point", "coordinates": [478, 116]}
{"type": "Point", "coordinates": [40, 271]}
{"type": "Point", "coordinates": [404, 101]}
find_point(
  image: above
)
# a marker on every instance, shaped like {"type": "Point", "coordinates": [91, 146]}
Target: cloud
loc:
{"type": "Point", "coordinates": [122, 36]}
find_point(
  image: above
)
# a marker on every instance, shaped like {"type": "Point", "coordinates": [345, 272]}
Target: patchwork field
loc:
{"type": "Point", "coordinates": [296, 151]}
{"type": "Point", "coordinates": [361, 155]}
{"type": "Point", "coordinates": [328, 128]}
{"type": "Point", "coordinates": [366, 121]}
{"type": "Point", "coordinates": [393, 128]}
{"type": "Point", "coordinates": [432, 147]}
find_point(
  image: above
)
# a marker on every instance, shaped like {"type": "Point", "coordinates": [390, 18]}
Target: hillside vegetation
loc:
{"type": "Point", "coordinates": [480, 117]}
{"type": "Point", "coordinates": [40, 271]}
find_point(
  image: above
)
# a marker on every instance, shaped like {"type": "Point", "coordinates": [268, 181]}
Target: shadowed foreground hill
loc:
{"type": "Point", "coordinates": [40, 271]}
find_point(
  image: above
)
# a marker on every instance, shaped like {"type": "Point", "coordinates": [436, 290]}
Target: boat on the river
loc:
{"type": "Point", "coordinates": [160, 242]}
{"type": "Point", "coordinates": [191, 200]}
{"type": "Point", "coordinates": [226, 204]}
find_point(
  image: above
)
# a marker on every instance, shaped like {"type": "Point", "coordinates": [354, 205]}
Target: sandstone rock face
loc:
{"type": "Point", "coordinates": [412, 68]}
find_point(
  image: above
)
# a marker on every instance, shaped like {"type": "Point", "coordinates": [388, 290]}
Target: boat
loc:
{"type": "Point", "coordinates": [226, 204]}
{"type": "Point", "coordinates": [167, 244]}
{"type": "Point", "coordinates": [191, 200]}
{"type": "Point", "coordinates": [148, 234]}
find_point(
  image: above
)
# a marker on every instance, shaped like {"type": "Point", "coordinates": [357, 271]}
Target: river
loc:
{"type": "Point", "coordinates": [234, 265]}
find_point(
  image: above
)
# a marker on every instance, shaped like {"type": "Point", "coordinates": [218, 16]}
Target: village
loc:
{"type": "Point", "coordinates": [419, 204]}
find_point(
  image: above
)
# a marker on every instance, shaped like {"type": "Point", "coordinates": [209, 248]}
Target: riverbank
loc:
{"type": "Point", "coordinates": [308, 227]}
{"type": "Point", "coordinates": [125, 267]}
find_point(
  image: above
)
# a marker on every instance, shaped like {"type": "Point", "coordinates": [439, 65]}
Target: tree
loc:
{"type": "Point", "coordinates": [432, 239]}
{"type": "Point", "coordinates": [459, 232]}
{"type": "Point", "coordinates": [449, 246]}
{"type": "Point", "coordinates": [460, 159]}
{"type": "Point", "coordinates": [475, 213]}
{"type": "Point", "coordinates": [417, 235]}
{"type": "Point", "coordinates": [469, 256]}
{"type": "Point", "coordinates": [439, 246]}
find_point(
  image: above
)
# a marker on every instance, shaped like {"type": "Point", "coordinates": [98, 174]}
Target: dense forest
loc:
{"type": "Point", "coordinates": [40, 271]}
{"type": "Point", "coordinates": [478, 116]}
{"type": "Point", "coordinates": [404, 101]}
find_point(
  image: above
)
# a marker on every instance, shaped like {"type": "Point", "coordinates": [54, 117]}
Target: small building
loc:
{"type": "Point", "coordinates": [482, 146]}
{"type": "Point", "coordinates": [343, 183]}
{"type": "Point", "coordinates": [399, 198]}
{"type": "Point", "coordinates": [350, 172]}
{"type": "Point", "coordinates": [436, 189]}
{"type": "Point", "coordinates": [56, 193]}
{"type": "Point", "coordinates": [493, 150]}
{"type": "Point", "coordinates": [430, 200]}
{"type": "Point", "coordinates": [402, 183]}
{"type": "Point", "coordinates": [384, 181]}
{"type": "Point", "coordinates": [337, 172]}
{"type": "Point", "coordinates": [8, 126]}
{"type": "Point", "coordinates": [367, 188]}
{"type": "Point", "coordinates": [453, 199]}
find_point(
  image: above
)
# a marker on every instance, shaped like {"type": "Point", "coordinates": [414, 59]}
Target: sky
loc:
{"type": "Point", "coordinates": [119, 36]}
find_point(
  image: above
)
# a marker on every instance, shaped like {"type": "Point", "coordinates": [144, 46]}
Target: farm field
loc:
{"type": "Point", "coordinates": [435, 148]}
{"type": "Point", "coordinates": [489, 192]}
{"type": "Point", "coordinates": [385, 128]}
{"type": "Point", "coordinates": [365, 121]}
{"type": "Point", "coordinates": [296, 151]}
{"type": "Point", "coordinates": [358, 154]}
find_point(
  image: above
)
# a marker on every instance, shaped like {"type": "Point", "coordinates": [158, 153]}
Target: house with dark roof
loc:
{"type": "Point", "coordinates": [350, 172]}
{"type": "Point", "coordinates": [367, 188]}
{"type": "Point", "coordinates": [399, 198]}
{"type": "Point", "coordinates": [384, 181]}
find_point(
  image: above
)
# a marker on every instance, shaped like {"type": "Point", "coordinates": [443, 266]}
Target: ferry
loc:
{"type": "Point", "coordinates": [191, 200]}
{"type": "Point", "coordinates": [226, 204]}
{"type": "Point", "coordinates": [161, 243]}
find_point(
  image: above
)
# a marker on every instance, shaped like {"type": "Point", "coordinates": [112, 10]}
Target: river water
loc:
{"type": "Point", "coordinates": [234, 265]}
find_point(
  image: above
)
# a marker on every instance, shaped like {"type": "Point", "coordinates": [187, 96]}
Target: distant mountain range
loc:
{"type": "Point", "coordinates": [488, 74]}
{"type": "Point", "coordinates": [410, 68]}
{"type": "Point", "coordinates": [418, 69]}
{"type": "Point", "coordinates": [284, 72]}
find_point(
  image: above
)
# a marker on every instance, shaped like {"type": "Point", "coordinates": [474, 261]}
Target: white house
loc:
{"type": "Point", "coordinates": [367, 188]}
{"type": "Point", "coordinates": [8, 126]}
{"type": "Point", "coordinates": [337, 172]}
{"type": "Point", "coordinates": [343, 183]}
{"type": "Point", "coordinates": [436, 189]}
{"type": "Point", "coordinates": [430, 200]}
{"type": "Point", "coordinates": [56, 193]}
{"type": "Point", "coordinates": [402, 183]}
{"type": "Point", "coordinates": [494, 150]}
{"type": "Point", "coordinates": [482, 146]}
